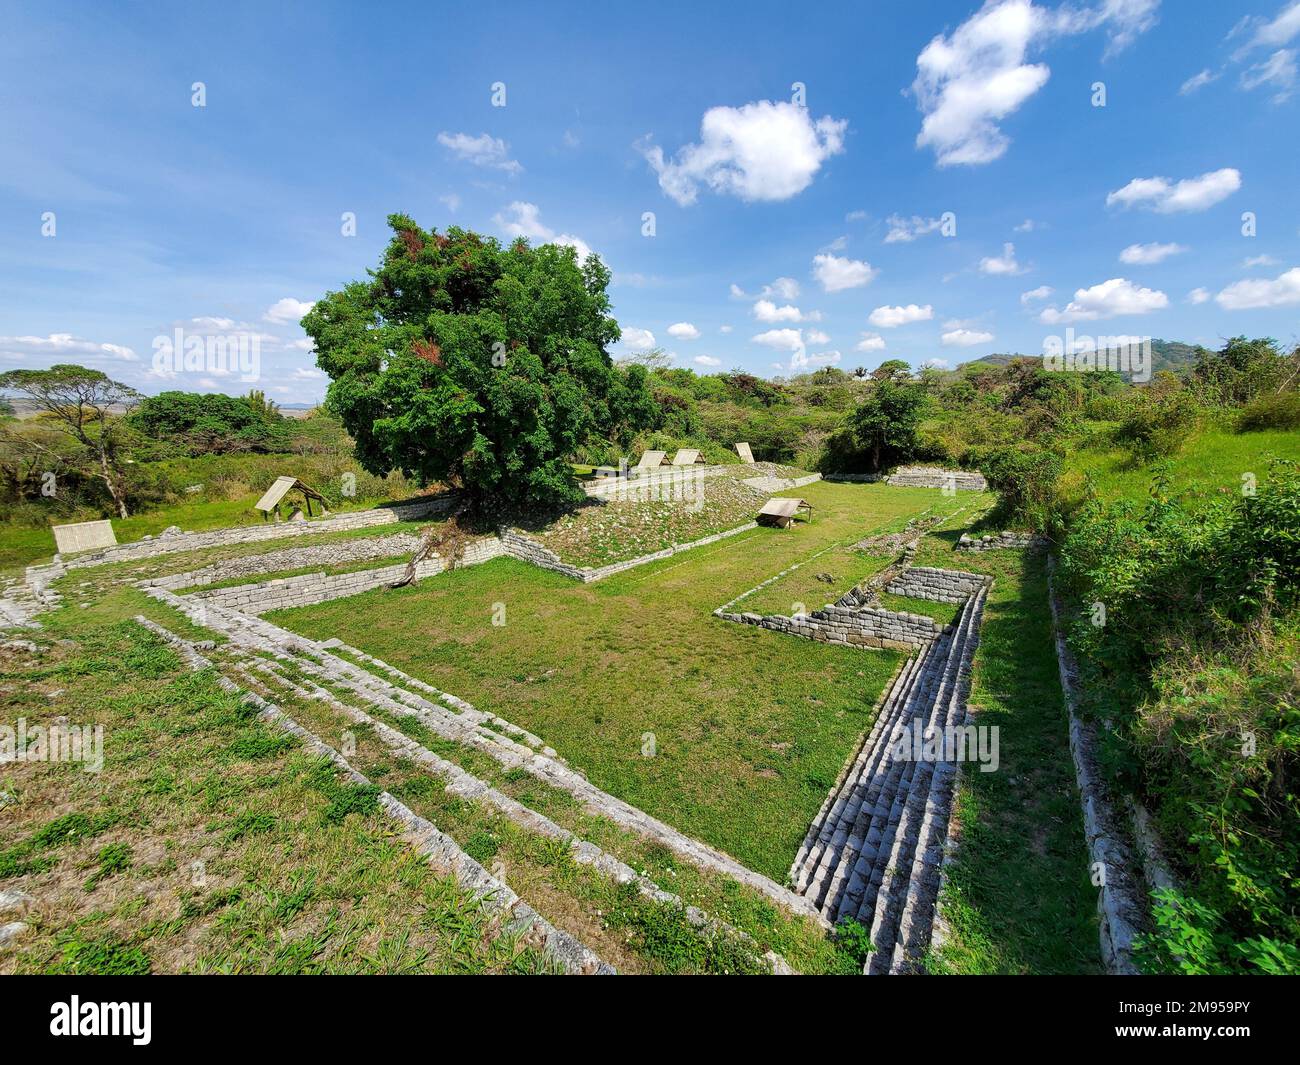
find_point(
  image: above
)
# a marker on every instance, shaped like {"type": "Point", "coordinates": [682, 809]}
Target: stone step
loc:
{"type": "Point", "coordinates": [875, 850]}
{"type": "Point", "coordinates": [261, 634]}
{"type": "Point", "coordinates": [441, 851]}
{"type": "Point", "coordinates": [891, 838]}
{"type": "Point", "coordinates": [877, 809]}
{"type": "Point", "coordinates": [826, 853]}
{"type": "Point", "coordinates": [823, 825]}
{"type": "Point", "coordinates": [892, 874]}
{"type": "Point", "coordinates": [269, 677]}
{"type": "Point", "coordinates": [916, 917]}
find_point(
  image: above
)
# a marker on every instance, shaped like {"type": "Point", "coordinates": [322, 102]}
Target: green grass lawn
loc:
{"type": "Point", "coordinates": [804, 590]}
{"type": "Point", "coordinates": [750, 727]}
{"type": "Point", "coordinates": [1212, 461]}
{"type": "Point", "coordinates": [208, 842]}
{"type": "Point", "coordinates": [943, 613]}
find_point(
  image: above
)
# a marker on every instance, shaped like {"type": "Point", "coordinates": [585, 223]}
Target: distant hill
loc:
{"type": "Point", "coordinates": [1170, 355]}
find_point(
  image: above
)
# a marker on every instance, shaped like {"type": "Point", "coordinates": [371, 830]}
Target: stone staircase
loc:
{"type": "Point", "coordinates": [274, 678]}
{"type": "Point", "coordinates": [368, 685]}
{"type": "Point", "coordinates": [875, 850]}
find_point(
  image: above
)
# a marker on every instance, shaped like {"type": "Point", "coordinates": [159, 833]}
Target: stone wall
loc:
{"type": "Point", "coordinates": [526, 549]}
{"type": "Point", "coordinates": [639, 482]}
{"type": "Point", "coordinates": [936, 477]}
{"type": "Point", "coordinates": [1002, 541]}
{"type": "Point", "coordinates": [868, 627]}
{"type": "Point", "coordinates": [854, 478]}
{"type": "Point", "coordinates": [867, 591]}
{"type": "Point", "coordinates": [168, 543]}
{"type": "Point", "coordinates": [781, 484]}
{"type": "Point", "coordinates": [309, 589]}
{"type": "Point", "coordinates": [937, 585]}
{"type": "Point", "coordinates": [335, 554]}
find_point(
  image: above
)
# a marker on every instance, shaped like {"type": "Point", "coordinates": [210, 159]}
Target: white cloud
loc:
{"type": "Point", "coordinates": [284, 312]}
{"type": "Point", "coordinates": [892, 317]}
{"type": "Point", "coordinates": [802, 361]}
{"type": "Point", "coordinates": [1118, 296]}
{"type": "Point", "coordinates": [1149, 254]}
{"type": "Point", "coordinates": [1259, 260]}
{"type": "Point", "coordinates": [783, 288]}
{"type": "Point", "coordinates": [62, 345]}
{"type": "Point", "coordinates": [837, 274]}
{"type": "Point", "coordinates": [738, 293]}
{"type": "Point", "coordinates": [1197, 81]}
{"type": "Point", "coordinates": [905, 230]}
{"type": "Point", "coordinates": [1039, 293]}
{"type": "Point", "coordinates": [767, 311]}
{"type": "Point", "coordinates": [937, 364]}
{"type": "Point", "coordinates": [1191, 194]}
{"type": "Point", "coordinates": [683, 331]}
{"type": "Point", "coordinates": [1198, 295]}
{"type": "Point", "coordinates": [1269, 33]}
{"type": "Point", "coordinates": [856, 216]}
{"type": "Point", "coordinates": [1282, 291]}
{"type": "Point", "coordinates": [451, 201]}
{"type": "Point", "coordinates": [1278, 70]}
{"type": "Point", "coordinates": [816, 336]}
{"type": "Point", "coordinates": [761, 151]}
{"type": "Point", "coordinates": [521, 219]}
{"type": "Point", "coordinates": [724, 329]}
{"type": "Point", "coordinates": [870, 342]}
{"type": "Point", "coordinates": [707, 360]}
{"type": "Point", "coordinates": [782, 339]}
{"type": "Point", "coordinates": [211, 322]}
{"type": "Point", "coordinates": [483, 150]}
{"type": "Point", "coordinates": [1028, 226]}
{"type": "Point", "coordinates": [964, 338]}
{"type": "Point", "coordinates": [1002, 265]}
{"type": "Point", "coordinates": [638, 339]}
{"type": "Point", "coordinates": [969, 81]}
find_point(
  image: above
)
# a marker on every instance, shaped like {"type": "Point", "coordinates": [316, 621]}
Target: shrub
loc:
{"type": "Point", "coordinates": [1270, 412]}
{"type": "Point", "coordinates": [1025, 479]}
{"type": "Point", "coordinates": [1158, 427]}
{"type": "Point", "coordinates": [1193, 671]}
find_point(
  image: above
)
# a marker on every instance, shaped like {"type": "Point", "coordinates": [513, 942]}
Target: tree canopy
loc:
{"type": "Point", "coordinates": [81, 402]}
{"type": "Point", "coordinates": [476, 365]}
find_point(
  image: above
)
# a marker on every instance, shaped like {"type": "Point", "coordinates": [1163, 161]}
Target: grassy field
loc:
{"type": "Point", "coordinates": [208, 842]}
{"type": "Point", "coordinates": [807, 589]}
{"type": "Point", "coordinates": [750, 727]}
{"type": "Point", "coordinates": [1211, 461]}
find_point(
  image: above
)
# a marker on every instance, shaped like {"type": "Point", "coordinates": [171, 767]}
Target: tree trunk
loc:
{"type": "Point", "coordinates": [104, 473]}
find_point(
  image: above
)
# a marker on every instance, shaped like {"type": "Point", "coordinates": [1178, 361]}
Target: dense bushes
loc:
{"type": "Point", "coordinates": [1270, 412]}
{"type": "Point", "coordinates": [212, 423]}
{"type": "Point", "coordinates": [1025, 480]}
{"type": "Point", "coordinates": [1157, 426]}
{"type": "Point", "coordinates": [1194, 671]}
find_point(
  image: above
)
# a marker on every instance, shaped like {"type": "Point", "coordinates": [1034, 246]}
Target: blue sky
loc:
{"type": "Point", "coordinates": [789, 231]}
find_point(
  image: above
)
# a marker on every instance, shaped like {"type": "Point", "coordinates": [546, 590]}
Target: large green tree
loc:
{"type": "Point", "coordinates": [885, 423]}
{"type": "Point", "coordinates": [477, 365]}
{"type": "Point", "coordinates": [83, 404]}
